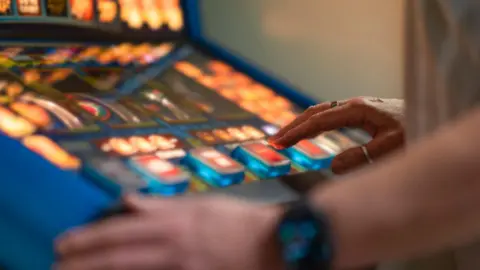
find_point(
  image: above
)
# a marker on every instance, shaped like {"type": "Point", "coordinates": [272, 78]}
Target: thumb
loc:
{"type": "Point", "coordinates": [376, 148]}
{"type": "Point", "coordinates": [133, 202]}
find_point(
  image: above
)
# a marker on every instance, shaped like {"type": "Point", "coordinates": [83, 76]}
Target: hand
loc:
{"type": "Point", "coordinates": [186, 234]}
{"type": "Point", "coordinates": [381, 118]}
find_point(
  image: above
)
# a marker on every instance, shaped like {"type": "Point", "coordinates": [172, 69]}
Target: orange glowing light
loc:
{"type": "Point", "coordinates": [34, 113]}
{"type": "Point", "coordinates": [107, 10]}
{"type": "Point", "coordinates": [52, 152]}
{"type": "Point", "coordinates": [82, 9]}
{"type": "Point", "coordinates": [188, 69]}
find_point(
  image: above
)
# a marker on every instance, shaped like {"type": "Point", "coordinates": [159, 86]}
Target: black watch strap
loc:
{"type": "Point", "coordinates": [304, 235]}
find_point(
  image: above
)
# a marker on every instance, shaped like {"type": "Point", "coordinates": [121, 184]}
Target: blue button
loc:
{"type": "Point", "coordinates": [262, 160]}
{"type": "Point", "coordinates": [163, 177]}
{"type": "Point", "coordinates": [310, 155]}
{"type": "Point", "coordinates": [215, 167]}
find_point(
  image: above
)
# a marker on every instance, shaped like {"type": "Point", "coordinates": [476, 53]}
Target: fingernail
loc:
{"type": "Point", "coordinates": [277, 146]}
{"type": "Point", "coordinates": [274, 144]}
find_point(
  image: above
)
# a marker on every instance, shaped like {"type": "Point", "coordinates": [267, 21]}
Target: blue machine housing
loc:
{"type": "Point", "coordinates": [39, 202]}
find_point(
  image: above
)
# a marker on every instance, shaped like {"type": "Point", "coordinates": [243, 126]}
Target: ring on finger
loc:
{"type": "Point", "coordinates": [334, 104]}
{"type": "Point", "coordinates": [366, 154]}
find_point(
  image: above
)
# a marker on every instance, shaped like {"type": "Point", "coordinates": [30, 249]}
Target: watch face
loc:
{"type": "Point", "coordinates": [304, 236]}
{"type": "Point", "coordinates": [297, 237]}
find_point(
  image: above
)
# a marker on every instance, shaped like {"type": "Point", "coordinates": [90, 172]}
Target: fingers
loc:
{"type": "Point", "coordinates": [378, 147]}
{"type": "Point", "coordinates": [142, 257]}
{"type": "Point", "coordinates": [301, 118]}
{"type": "Point", "coordinates": [349, 115]}
{"type": "Point", "coordinates": [111, 232]}
{"type": "Point", "coordinates": [147, 204]}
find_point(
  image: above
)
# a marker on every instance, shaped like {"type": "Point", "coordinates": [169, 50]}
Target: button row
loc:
{"type": "Point", "coordinates": [229, 135]}
{"type": "Point", "coordinates": [135, 145]}
{"type": "Point", "coordinates": [159, 176]}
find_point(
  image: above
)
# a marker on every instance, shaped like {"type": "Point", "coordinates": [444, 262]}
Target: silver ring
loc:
{"type": "Point", "coordinates": [366, 154]}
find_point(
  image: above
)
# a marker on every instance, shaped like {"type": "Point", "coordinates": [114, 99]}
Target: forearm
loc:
{"type": "Point", "coordinates": [418, 202]}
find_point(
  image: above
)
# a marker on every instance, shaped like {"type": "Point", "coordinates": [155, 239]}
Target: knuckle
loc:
{"type": "Point", "coordinates": [357, 100]}
{"type": "Point", "coordinates": [311, 109]}
{"type": "Point", "coordinates": [359, 106]}
{"type": "Point", "coordinates": [352, 158]}
{"type": "Point", "coordinates": [315, 118]}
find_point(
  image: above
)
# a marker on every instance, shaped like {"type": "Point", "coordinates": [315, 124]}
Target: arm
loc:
{"type": "Point", "coordinates": [421, 201]}
{"type": "Point", "coordinates": [418, 202]}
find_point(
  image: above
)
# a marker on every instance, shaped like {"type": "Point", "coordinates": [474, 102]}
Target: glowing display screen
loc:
{"type": "Point", "coordinates": [108, 16]}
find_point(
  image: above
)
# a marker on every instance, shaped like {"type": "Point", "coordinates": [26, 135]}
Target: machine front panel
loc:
{"type": "Point", "coordinates": [81, 105]}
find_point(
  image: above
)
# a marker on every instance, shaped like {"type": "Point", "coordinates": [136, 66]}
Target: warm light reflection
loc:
{"type": "Point", "coordinates": [153, 14]}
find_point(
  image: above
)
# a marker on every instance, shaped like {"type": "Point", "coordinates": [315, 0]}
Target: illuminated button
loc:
{"type": "Point", "coordinates": [52, 152]}
{"type": "Point", "coordinates": [328, 144]}
{"type": "Point", "coordinates": [215, 167]}
{"type": "Point", "coordinates": [220, 68]}
{"type": "Point", "coordinates": [262, 160]}
{"type": "Point", "coordinates": [118, 146]}
{"type": "Point", "coordinates": [223, 135]}
{"type": "Point", "coordinates": [206, 137]}
{"type": "Point", "coordinates": [188, 69]}
{"type": "Point", "coordinates": [253, 132]}
{"type": "Point", "coordinates": [310, 155]}
{"type": "Point", "coordinates": [238, 134]}
{"type": "Point", "coordinates": [114, 176]}
{"type": "Point", "coordinates": [164, 142]}
{"type": "Point", "coordinates": [14, 126]}
{"type": "Point", "coordinates": [142, 144]}
{"type": "Point", "coordinates": [171, 154]}
{"type": "Point", "coordinates": [270, 129]}
{"type": "Point", "coordinates": [34, 113]}
{"type": "Point", "coordinates": [340, 139]}
{"type": "Point", "coordinates": [163, 177]}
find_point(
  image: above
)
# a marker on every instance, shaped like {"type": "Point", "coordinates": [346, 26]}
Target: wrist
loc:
{"type": "Point", "coordinates": [269, 219]}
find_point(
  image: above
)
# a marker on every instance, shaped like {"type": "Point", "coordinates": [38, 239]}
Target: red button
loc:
{"type": "Point", "coordinates": [160, 169]}
{"type": "Point", "coordinates": [265, 154]}
{"type": "Point", "coordinates": [311, 150]}
{"type": "Point", "coordinates": [217, 160]}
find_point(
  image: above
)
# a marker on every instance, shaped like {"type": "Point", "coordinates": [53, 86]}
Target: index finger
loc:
{"type": "Point", "coordinates": [349, 115]}
{"type": "Point", "coordinates": [300, 119]}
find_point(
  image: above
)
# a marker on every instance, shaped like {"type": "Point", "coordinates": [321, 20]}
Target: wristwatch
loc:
{"type": "Point", "coordinates": [304, 237]}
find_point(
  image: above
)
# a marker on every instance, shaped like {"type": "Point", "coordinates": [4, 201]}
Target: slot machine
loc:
{"type": "Point", "coordinates": [101, 98]}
